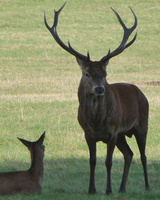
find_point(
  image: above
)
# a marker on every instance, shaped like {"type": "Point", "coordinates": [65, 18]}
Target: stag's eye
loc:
{"type": "Point", "coordinates": [87, 75]}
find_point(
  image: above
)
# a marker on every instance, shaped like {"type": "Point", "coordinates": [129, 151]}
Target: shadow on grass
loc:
{"type": "Point", "coordinates": [68, 179]}
{"type": "Point", "coordinates": [74, 171]}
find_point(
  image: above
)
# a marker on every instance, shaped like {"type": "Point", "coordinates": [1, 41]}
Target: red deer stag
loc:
{"type": "Point", "coordinates": [26, 182]}
{"type": "Point", "coordinates": [109, 112]}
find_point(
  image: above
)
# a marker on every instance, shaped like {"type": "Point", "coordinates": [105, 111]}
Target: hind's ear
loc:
{"type": "Point", "coordinates": [41, 139]}
{"type": "Point", "coordinates": [25, 142]}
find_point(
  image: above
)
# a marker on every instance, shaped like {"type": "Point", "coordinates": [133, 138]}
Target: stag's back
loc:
{"type": "Point", "coordinates": [132, 104]}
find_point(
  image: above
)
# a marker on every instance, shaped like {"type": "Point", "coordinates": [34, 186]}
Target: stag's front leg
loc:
{"type": "Point", "coordinates": [110, 149]}
{"type": "Point", "coordinates": [92, 150]}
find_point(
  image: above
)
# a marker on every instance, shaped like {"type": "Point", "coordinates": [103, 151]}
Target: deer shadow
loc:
{"type": "Point", "coordinates": [70, 177]}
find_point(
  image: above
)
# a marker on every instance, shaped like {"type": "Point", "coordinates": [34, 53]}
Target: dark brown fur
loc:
{"type": "Point", "coordinates": [26, 182]}
{"type": "Point", "coordinates": [109, 112]}
{"type": "Point", "coordinates": [122, 110]}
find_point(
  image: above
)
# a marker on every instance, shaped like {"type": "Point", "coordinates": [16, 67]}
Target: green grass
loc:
{"type": "Point", "coordinates": [38, 91]}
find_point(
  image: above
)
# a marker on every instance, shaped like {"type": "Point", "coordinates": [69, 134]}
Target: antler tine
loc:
{"type": "Point", "coordinates": [119, 19]}
{"type": "Point", "coordinates": [131, 42]}
{"type": "Point", "coordinates": [127, 33]}
{"type": "Point", "coordinates": [77, 54]}
{"type": "Point", "coordinates": [53, 31]}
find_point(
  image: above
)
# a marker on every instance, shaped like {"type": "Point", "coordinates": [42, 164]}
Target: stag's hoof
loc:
{"type": "Point", "coordinates": [92, 191]}
{"type": "Point", "coordinates": [122, 190]}
{"type": "Point", "coordinates": [108, 192]}
{"type": "Point", "coordinates": [148, 188]}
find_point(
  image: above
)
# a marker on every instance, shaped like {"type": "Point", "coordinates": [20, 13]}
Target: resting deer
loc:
{"type": "Point", "coordinates": [30, 181]}
{"type": "Point", "coordinates": [109, 112]}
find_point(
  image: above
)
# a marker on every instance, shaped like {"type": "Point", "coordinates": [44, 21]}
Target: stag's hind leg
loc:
{"type": "Point", "coordinates": [141, 141]}
{"type": "Point", "coordinates": [128, 154]}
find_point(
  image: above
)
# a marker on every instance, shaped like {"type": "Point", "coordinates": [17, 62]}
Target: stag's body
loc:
{"type": "Point", "coordinates": [121, 111]}
{"type": "Point", "coordinates": [26, 182]}
{"type": "Point", "coordinates": [109, 112]}
{"type": "Point", "coordinates": [122, 108]}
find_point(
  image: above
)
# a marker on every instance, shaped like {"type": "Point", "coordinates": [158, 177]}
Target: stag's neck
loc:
{"type": "Point", "coordinates": [94, 109]}
{"type": "Point", "coordinates": [97, 109]}
{"type": "Point", "coordinates": [36, 168]}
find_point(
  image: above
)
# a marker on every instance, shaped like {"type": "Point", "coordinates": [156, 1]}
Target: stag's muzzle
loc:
{"type": "Point", "coordinates": [99, 90]}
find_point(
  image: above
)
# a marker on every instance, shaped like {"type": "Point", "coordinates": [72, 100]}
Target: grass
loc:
{"type": "Point", "coordinates": [38, 91]}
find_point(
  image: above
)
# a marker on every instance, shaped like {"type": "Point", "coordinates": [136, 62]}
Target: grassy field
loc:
{"type": "Point", "coordinates": [38, 91]}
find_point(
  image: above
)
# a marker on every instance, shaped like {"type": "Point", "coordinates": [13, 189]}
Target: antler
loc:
{"type": "Point", "coordinates": [127, 33]}
{"type": "Point", "coordinates": [121, 48]}
{"type": "Point", "coordinates": [53, 31]}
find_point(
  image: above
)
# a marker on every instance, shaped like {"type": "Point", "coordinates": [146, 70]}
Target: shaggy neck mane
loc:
{"type": "Point", "coordinates": [96, 109]}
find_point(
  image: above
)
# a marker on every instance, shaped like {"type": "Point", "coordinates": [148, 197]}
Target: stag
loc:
{"type": "Point", "coordinates": [26, 182]}
{"type": "Point", "coordinates": [109, 112]}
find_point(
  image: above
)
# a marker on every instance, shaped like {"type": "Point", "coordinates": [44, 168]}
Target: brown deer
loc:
{"type": "Point", "coordinates": [30, 181]}
{"type": "Point", "coordinates": [109, 112]}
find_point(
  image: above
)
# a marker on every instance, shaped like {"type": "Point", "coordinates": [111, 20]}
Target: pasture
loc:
{"type": "Point", "coordinates": [38, 91]}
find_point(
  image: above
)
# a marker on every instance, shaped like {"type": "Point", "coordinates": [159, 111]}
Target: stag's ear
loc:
{"type": "Point", "coordinates": [81, 63]}
{"type": "Point", "coordinates": [104, 64]}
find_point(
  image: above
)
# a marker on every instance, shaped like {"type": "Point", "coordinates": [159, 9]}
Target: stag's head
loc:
{"type": "Point", "coordinates": [94, 72]}
{"type": "Point", "coordinates": [93, 77]}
